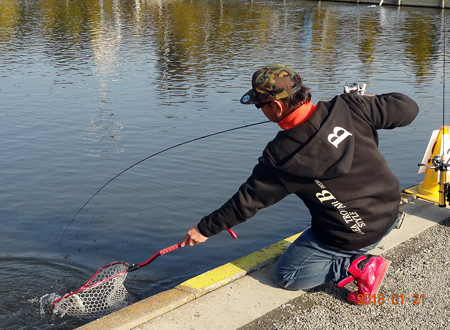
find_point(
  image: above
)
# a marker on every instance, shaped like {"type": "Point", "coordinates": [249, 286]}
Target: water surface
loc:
{"type": "Point", "coordinates": [88, 88]}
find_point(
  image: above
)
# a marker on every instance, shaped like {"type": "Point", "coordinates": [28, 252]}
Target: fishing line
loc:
{"type": "Point", "coordinates": [443, 72]}
{"type": "Point", "coordinates": [443, 91]}
{"type": "Point", "coordinates": [442, 164]}
{"type": "Point", "coordinates": [148, 157]}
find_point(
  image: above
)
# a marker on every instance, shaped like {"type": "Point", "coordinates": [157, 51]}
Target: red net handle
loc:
{"type": "Point", "coordinates": [167, 250]}
{"type": "Point", "coordinates": [232, 233]}
{"type": "Point", "coordinates": [170, 249]}
{"type": "Point", "coordinates": [178, 245]}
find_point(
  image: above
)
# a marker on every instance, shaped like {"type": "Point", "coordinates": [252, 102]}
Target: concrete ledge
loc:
{"type": "Point", "coordinates": [420, 216]}
{"type": "Point", "coordinates": [149, 308]}
{"type": "Point", "coordinates": [249, 298]}
{"type": "Point", "coordinates": [413, 3]}
{"type": "Point", "coordinates": [234, 270]}
{"type": "Point", "coordinates": [142, 311]}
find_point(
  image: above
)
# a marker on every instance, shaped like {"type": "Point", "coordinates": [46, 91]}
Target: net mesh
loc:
{"type": "Point", "coordinates": [96, 298]}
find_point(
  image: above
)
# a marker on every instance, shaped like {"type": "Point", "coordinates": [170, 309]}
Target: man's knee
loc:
{"type": "Point", "coordinates": [292, 280]}
{"type": "Point", "coordinates": [283, 279]}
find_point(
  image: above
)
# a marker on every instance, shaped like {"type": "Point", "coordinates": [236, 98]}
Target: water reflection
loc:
{"type": "Point", "coordinates": [105, 37]}
{"type": "Point", "coordinates": [121, 79]}
{"type": "Point", "coordinates": [422, 44]}
{"type": "Point", "coordinates": [186, 36]}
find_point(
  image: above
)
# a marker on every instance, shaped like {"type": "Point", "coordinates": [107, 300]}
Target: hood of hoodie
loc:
{"type": "Point", "coordinates": [320, 148]}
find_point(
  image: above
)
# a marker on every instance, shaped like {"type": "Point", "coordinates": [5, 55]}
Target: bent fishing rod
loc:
{"type": "Point", "coordinates": [148, 157]}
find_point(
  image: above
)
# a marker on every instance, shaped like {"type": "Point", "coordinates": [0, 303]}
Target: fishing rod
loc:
{"type": "Point", "coordinates": [444, 195]}
{"type": "Point", "coordinates": [440, 162]}
{"type": "Point", "coordinates": [151, 156]}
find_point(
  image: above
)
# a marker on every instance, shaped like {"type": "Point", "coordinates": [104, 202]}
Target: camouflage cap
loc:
{"type": "Point", "coordinates": [272, 82]}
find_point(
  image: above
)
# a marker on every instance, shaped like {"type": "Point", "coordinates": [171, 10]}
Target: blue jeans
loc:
{"type": "Point", "coordinates": [306, 263]}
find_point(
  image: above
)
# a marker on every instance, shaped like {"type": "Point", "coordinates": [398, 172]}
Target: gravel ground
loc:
{"type": "Point", "coordinates": [416, 293]}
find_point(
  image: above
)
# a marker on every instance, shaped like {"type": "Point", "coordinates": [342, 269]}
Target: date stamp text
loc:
{"type": "Point", "coordinates": [395, 299]}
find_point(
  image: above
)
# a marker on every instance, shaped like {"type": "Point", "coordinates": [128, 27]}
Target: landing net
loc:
{"type": "Point", "coordinates": [103, 294]}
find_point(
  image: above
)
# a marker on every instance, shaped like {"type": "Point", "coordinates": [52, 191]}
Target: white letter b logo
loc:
{"type": "Point", "coordinates": [339, 134]}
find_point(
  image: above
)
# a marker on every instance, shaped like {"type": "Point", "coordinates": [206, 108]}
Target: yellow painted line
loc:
{"type": "Point", "coordinates": [214, 278]}
{"type": "Point", "coordinates": [149, 308]}
{"type": "Point", "coordinates": [238, 268]}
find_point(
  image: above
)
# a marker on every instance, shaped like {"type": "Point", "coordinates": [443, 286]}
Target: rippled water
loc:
{"type": "Point", "coordinates": [88, 88]}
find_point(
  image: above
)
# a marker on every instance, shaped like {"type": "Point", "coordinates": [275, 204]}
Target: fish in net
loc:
{"type": "Point", "coordinates": [103, 294]}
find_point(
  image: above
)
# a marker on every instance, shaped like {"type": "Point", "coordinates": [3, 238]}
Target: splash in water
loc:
{"type": "Point", "coordinates": [46, 303]}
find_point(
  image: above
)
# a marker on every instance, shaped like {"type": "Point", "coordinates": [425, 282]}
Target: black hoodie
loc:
{"type": "Point", "coordinates": [332, 162]}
